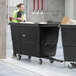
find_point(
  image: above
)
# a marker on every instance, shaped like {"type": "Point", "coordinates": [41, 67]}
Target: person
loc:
{"type": "Point", "coordinates": [17, 18]}
{"type": "Point", "coordinates": [18, 14]}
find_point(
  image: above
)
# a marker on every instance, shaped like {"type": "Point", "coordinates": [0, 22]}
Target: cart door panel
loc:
{"type": "Point", "coordinates": [28, 34]}
{"type": "Point", "coordinates": [49, 40]}
{"type": "Point", "coordinates": [29, 49]}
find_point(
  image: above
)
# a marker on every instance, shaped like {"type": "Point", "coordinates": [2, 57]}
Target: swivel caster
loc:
{"type": "Point", "coordinates": [29, 57]}
{"type": "Point", "coordinates": [19, 57]}
{"type": "Point", "coordinates": [70, 66]}
{"type": "Point", "coordinates": [51, 60]}
{"type": "Point", "coordinates": [40, 61]}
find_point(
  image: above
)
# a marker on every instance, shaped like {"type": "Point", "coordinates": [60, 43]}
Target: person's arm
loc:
{"type": "Point", "coordinates": [19, 17]}
{"type": "Point", "coordinates": [20, 20]}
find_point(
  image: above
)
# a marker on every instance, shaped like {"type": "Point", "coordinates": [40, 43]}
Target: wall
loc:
{"type": "Point", "coordinates": [75, 9]}
{"type": "Point", "coordinates": [69, 8]}
{"type": "Point", "coordinates": [12, 6]}
{"type": "Point", "coordinates": [2, 29]}
{"type": "Point", "coordinates": [13, 3]}
{"type": "Point", "coordinates": [54, 10]}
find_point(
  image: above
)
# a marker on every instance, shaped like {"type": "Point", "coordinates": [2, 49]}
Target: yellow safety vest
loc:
{"type": "Point", "coordinates": [14, 17]}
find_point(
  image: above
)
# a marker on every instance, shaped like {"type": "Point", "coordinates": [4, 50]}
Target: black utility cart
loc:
{"type": "Point", "coordinates": [69, 44]}
{"type": "Point", "coordinates": [39, 40]}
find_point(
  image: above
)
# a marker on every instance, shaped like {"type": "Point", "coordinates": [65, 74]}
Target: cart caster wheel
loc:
{"type": "Point", "coordinates": [19, 57]}
{"type": "Point", "coordinates": [61, 61]}
{"type": "Point", "coordinates": [51, 61]}
{"type": "Point", "coordinates": [29, 57]}
{"type": "Point", "coordinates": [40, 61]}
{"type": "Point", "coordinates": [70, 66]}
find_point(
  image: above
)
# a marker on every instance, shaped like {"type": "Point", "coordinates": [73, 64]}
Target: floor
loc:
{"type": "Point", "coordinates": [26, 67]}
{"type": "Point", "coordinates": [8, 69]}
